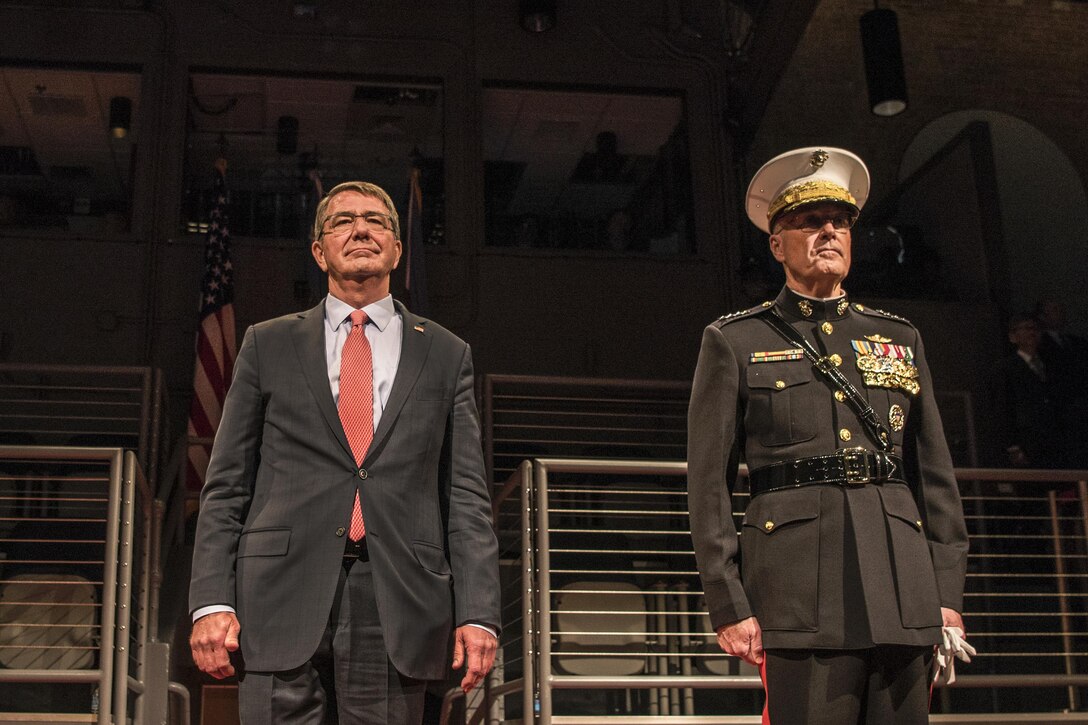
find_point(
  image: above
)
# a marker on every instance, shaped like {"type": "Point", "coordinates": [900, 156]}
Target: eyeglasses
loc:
{"type": "Point", "coordinates": [343, 222]}
{"type": "Point", "coordinates": [810, 223]}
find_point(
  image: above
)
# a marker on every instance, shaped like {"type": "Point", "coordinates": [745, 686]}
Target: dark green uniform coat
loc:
{"type": "Point", "coordinates": [823, 566]}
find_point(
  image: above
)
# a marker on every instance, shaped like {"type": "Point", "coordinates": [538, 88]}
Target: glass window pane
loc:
{"type": "Point", "coordinates": [586, 170]}
{"type": "Point", "coordinates": [287, 140]}
{"type": "Point", "coordinates": [62, 165]}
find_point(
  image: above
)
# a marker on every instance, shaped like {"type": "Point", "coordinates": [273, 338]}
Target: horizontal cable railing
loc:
{"type": "Point", "coordinates": [621, 631]}
{"type": "Point", "coordinates": [60, 523]}
{"type": "Point", "coordinates": [537, 416]}
{"type": "Point", "coordinates": [78, 546]}
{"type": "Point", "coordinates": [527, 416]}
{"type": "Point", "coordinates": [84, 405]}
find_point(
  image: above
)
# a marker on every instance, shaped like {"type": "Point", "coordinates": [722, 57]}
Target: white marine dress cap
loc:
{"type": "Point", "coordinates": [811, 175]}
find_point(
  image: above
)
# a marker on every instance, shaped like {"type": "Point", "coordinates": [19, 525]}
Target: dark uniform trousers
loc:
{"type": "Point", "coordinates": [349, 680]}
{"type": "Point", "coordinates": [845, 568]}
{"type": "Point", "coordinates": [889, 684]}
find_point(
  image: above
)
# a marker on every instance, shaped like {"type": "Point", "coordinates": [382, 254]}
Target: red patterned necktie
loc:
{"type": "Point", "coordinates": [357, 403]}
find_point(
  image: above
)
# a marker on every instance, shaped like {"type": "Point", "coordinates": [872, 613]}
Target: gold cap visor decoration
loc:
{"type": "Point", "coordinates": [812, 175]}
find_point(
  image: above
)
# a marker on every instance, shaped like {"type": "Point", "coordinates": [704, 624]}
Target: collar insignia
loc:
{"type": "Point", "coordinates": [805, 307]}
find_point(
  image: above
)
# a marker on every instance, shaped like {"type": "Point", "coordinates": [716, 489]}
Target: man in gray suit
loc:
{"type": "Point", "coordinates": [344, 543]}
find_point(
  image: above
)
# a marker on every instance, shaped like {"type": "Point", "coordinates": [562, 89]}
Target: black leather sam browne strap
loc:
{"type": "Point", "coordinates": [857, 402]}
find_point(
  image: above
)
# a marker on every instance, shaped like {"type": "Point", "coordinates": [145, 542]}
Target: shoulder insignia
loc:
{"type": "Point", "coordinates": [741, 314]}
{"type": "Point", "coordinates": [881, 313]}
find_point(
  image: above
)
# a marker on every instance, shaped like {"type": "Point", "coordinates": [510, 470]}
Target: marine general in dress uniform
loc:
{"type": "Point", "coordinates": [853, 548]}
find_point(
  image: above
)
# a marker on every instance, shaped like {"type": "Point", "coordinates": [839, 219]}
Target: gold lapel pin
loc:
{"type": "Point", "coordinates": [419, 328]}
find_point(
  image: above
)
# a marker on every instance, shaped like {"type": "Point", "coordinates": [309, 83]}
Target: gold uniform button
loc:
{"type": "Point", "coordinates": [840, 396]}
{"type": "Point", "coordinates": [780, 384]}
{"type": "Point", "coordinates": [835, 359]}
{"type": "Point", "coordinates": [828, 328]}
{"type": "Point", "coordinates": [845, 434]}
{"type": "Point", "coordinates": [918, 524]}
{"type": "Point", "coordinates": [769, 525]}
{"type": "Point", "coordinates": [859, 308]}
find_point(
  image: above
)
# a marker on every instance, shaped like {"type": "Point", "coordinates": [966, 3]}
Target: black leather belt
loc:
{"type": "Point", "coordinates": [355, 551]}
{"type": "Point", "coordinates": [848, 467]}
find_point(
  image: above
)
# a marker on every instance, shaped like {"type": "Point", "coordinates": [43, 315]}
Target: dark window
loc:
{"type": "Point", "coordinates": [69, 140]}
{"type": "Point", "coordinates": [580, 170]}
{"type": "Point", "coordinates": [288, 140]}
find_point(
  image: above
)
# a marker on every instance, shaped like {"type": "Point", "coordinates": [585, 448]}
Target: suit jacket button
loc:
{"type": "Point", "coordinates": [340, 531]}
{"type": "Point", "coordinates": [362, 473]}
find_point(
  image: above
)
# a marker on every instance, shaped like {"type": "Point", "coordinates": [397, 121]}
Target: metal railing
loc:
{"type": "Point", "coordinates": [84, 405]}
{"type": "Point", "coordinates": [529, 416]}
{"type": "Point", "coordinates": [534, 416]}
{"type": "Point", "coordinates": [610, 600]}
{"type": "Point", "coordinates": [78, 531]}
{"type": "Point", "coordinates": [507, 692]}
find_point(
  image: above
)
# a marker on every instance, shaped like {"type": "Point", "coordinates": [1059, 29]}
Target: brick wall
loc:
{"type": "Point", "coordinates": [1027, 58]}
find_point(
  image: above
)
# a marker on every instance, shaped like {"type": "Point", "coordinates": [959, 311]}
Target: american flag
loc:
{"type": "Point", "coordinates": [215, 342]}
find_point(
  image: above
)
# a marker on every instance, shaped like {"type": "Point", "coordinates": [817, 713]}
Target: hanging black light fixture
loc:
{"type": "Point", "coordinates": [120, 116]}
{"type": "Point", "coordinates": [537, 16]}
{"type": "Point", "coordinates": [883, 62]}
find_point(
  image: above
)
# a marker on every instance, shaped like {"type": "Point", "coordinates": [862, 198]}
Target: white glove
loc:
{"type": "Point", "coordinates": [953, 646]}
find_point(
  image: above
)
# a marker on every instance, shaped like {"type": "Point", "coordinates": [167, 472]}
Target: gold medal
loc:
{"type": "Point", "coordinates": [886, 366]}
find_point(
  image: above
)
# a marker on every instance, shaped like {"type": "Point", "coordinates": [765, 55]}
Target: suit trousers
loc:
{"type": "Point", "coordinates": [348, 681]}
{"type": "Point", "coordinates": [883, 685]}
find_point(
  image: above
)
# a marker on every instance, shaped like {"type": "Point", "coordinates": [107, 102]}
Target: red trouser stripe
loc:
{"type": "Point", "coordinates": [766, 695]}
{"type": "Point", "coordinates": [932, 682]}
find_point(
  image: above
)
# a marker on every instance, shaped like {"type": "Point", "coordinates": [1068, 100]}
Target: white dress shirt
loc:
{"type": "Point", "coordinates": [384, 332]}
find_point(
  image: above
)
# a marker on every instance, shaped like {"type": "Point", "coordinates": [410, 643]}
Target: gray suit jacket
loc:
{"type": "Point", "coordinates": [278, 495]}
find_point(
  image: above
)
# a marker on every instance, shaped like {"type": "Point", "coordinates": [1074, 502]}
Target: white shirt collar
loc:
{"type": "Point", "coordinates": [380, 312]}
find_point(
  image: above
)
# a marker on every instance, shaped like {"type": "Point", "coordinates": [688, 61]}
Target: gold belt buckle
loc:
{"type": "Point", "coordinates": [856, 466]}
